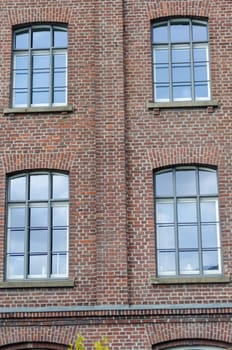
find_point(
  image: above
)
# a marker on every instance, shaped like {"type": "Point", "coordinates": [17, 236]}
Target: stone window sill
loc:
{"type": "Point", "coordinates": [182, 104]}
{"type": "Point", "coordinates": [189, 280]}
{"type": "Point", "coordinates": [38, 283]}
{"type": "Point", "coordinates": [44, 109]}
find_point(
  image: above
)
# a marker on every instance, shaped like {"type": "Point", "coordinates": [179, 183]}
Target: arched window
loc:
{"type": "Point", "coordinates": [37, 225]}
{"type": "Point", "coordinates": [187, 221]}
{"type": "Point", "coordinates": [40, 66]}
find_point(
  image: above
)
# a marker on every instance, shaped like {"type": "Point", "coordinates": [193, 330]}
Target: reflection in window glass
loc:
{"type": "Point", "coordinates": [187, 221]}
{"type": "Point", "coordinates": [37, 230]}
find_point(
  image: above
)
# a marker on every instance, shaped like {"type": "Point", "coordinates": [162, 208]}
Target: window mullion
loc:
{"type": "Point", "coordinates": [200, 257]}
{"type": "Point", "coordinates": [177, 260]}
{"type": "Point", "coordinates": [170, 62]}
{"type": "Point", "coordinates": [51, 75]}
{"type": "Point", "coordinates": [49, 243]}
{"type": "Point", "coordinates": [192, 62]}
{"type": "Point", "coordinates": [27, 230]}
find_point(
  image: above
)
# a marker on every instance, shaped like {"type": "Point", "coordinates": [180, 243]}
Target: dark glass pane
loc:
{"type": "Point", "coordinates": [165, 237]}
{"type": "Point", "coordinates": [38, 241]}
{"type": "Point", "coordinates": [164, 212]}
{"type": "Point", "coordinates": [187, 211]}
{"type": "Point", "coordinates": [38, 265]}
{"type": "Point", "coordinates": [181, 73]}
{"type": "Point", "coordinates": [60, 189]}
{"type": "Point", "coordinates": [180, 32]}
{"type": "Point", "coordinates": [201, 91]}
{"type": "Point", "coordinates": [17, 217]}
{"type": "Point", "coordinates": [164, 184]}
{"type": "Point", "coordinates": [162, 92]}
{"type": "Point", "coordinates": [182, 92]}
{"type": "Point", "coordinates": [15, 266]}
{"type": "Point", "coordinates": [161, 55]}
{"type": "Point", "coordinates": [209, 210]}
{"type": "Point", "coordinates": [41, 39]}
{"type": "Point", "coordinates": [38, 217]}
{"type": "Point", "coordinates": [180, 54]}
{"type": "Point", "coordinates": [187, 236]}
{"type": "Point", "coordinates": [160, 34]}
{"type": "Point", "coordinates": [211, 261]}
{"type": "Point", "coordinates": [200, 32]}
{"type": "Point", "coordinates": [38, 187]}
{"type": "Point", "coordinates": [60, 216]}
{"type": "Point", "coordinates": [189, 262]}
{"type": "Point", "coordinates": [210, 235]}
{"type": "Point", "coordinates": [17, 189]}
{"type": "Point", "coordinates": [22, 40]}
{"type": "Point", "coordinates": [166, 263]}
{"type": "Point", "coordinates": [59, 240]}
{"type": "Point", "coordinates": [200, 54]}
{"type": "Point", "coordinates": [208, 182]}
{"type": "Point", "coordinates": [60, 38]}
{"type": "Point", "coordinates": [16, 241]}
{"type": "Point", "coordinates": [185, 182]}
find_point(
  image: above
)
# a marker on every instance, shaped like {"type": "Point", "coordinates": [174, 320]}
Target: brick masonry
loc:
{"type": "Point", "coordinates": [110, 144]}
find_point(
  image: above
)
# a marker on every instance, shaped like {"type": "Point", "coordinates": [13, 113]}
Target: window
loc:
{"type": "Point", "coordinates": [37, 225]}
{"type": "Point", "coordinates": [180, 60]}
{"type": "Point", "coordinates": [39, 66]}
{"type": "Point", "coordinates": [187, 221]}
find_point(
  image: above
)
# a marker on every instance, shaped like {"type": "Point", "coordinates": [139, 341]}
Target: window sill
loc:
{"type": "Point", "coordinates": [182, 104]}
{"type": "Point", "coordinates": [37, 284]}
{"type": "Point", "coordinates": [44, 109]}
{"type": "Point", "coordinates": [190, 280]}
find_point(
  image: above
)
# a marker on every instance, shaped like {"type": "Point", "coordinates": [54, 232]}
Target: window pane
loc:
{"type": "Point", "coordinates": [201, 91]}
{"type": "Point", "coordinates": [185, 182]}
{"type": "Point", "coordinates": [60, 187]}
{"type": "Point", "coordinates": [165, 212]}
{"type": "Point", "coordinates": [210, 235]}
{"type": "Point", "coordinates": [187, 211]}
{"type": "Point", "coordinates": [162, 92]}
{"type": "Point", "coordinates": [41, 61]}
{"type": "Point", "coordinates": [165, 237]}
{"type": "Point", "coordinates": [59, 240]}
{"type": "Point", "coordinates": [189, 262]}
{"type": "Point", "coordinates": [59, 79]}
{"type": "Point", "coordinates": [161, 55]}
{"type": "Point", "coordinates": [38, 241]}
{"type": "Point", "coordinates": [16, 241]}
{"type": "Point", "coordinates": [200, 32]}
{"type": "Point", "coordinates": [60, 264]}
{"type": "Point", "coordinates": [166, 263]}
{"type": "Point", "coordinates": [208, 182]}
{"type": "Point", "coordinates": [17, 188]}
{"type": "Point", "coordinates": [188, 236]}
{"type": "Point", "coordinates": [208, 210]}
{"type": "Point", "coordinates": [180, 54]}
{"type": "Point", "coordinates": [164, 184]}
{"type": "Point", "coordinates": [21, 79]}
{"type": "Point", "coordinates": [59, 216]}
{"type": "Point", "coordinates": [200, 72]}
{"type": "Point", "coordinates": [38, 217]}
{"type": "Point", "coordinates": [21, 62]}
{"type": "Point", "coordinates": [200, 54]}
{"type": "Point", "coordinates": [40, 97]}
{"type": "Point", "coordinates": [16, 217]}
{"type": "Point", "coordinates": [38, 187]}
{"type": "Point", "coordinates": [182, 92]}
{"type": "Point", "coordinates": [181, 73]}
{"type": "Point", "coordinates": [180, 32]}
{"type": "Point", "coordinates": [15, 266]}
{"type": "Point", "coordinates": [160, 34]}
{"type": "Point", "coordinates": [210, 261]}
{"type": "Point", "coordinates": [20, 98]}
{"type": "Point", "coordinates": [162, 74]}
{"type": "Point", "coordinates": [59, 96]}
{"type": "Point", "coordinates": [60, 38]}
{"type": "Point", "coordinates": [41, 39]}
{"type": "Point", "coordinates": [22, 40]}
{"type": "Point", "coordinates": [40, 82]}
{"type": "Point", "coordinates": [38, 265]}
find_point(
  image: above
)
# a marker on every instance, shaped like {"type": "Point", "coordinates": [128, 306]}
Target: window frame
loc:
{"type": "Point", "coordinates": [31, 52]}
{"type": "Point", "coordinates": [198, 198]}
{"type": "Point", "coordinates": [27, 203]}
{"type": "Point", "coordinates": [168, 46]}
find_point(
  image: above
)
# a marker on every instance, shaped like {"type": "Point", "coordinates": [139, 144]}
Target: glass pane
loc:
{"type": "Point", "coordinates": [180, 32]}
{"type": "Point", "coordinates": [180, 54]}
{"type": "Point", "coordinates": [15, 266]}
{"type": "Point", "coordinates": [38, 187]}
{"type": "Point", "coordinates": [187, 236]}
{"type": "Point", "coordinates": [208, 182]}
{"type": "Point", "coordinates": [160, 34]}
{"type": "Point", "coordinates": [20, 98]}
{"type": "Point", "coordinates": [38, 241]}
{"type": "Point", "coordinates": [59, 216]}
{"type": "Point", "coordinates": [40, 80]}
{"type": "Point", "coordinates": [208, 210]}
{"type": "Point", "coordinates": [182, 92]}
{"type": "Point", "coordinates": [161, 74]}
{"type": "Point", "coordinates": [38, 217]}
{"type": "Point", "coordinates": [164, 212]}
{"type": "Point", "coordinates": [15, 241]}
{"type": "Point", "coordinates": [60, 61]}
{"type": "Point", "coordinates": [181, 73]}
{"type": "Point", "coordinates": [16, 217]}
{"type": "Point", "coordinates": [200, 32]}
{"type": "Point", "coordinates": [201, 91]}
{"type": "Point", "coordinates": [40, 97]}
{"type": "Point", "coordinates": [165, 237]}
{"type": "Point", "coordinates": [17, 189]}
{"type": "Point", "coordinates": [60, 264]}
{"type": "Point", "coordinates": [41, 39]}
{"type": "Point", "coordinates": [185, 182]}
{"type": "Point", "coordinates": [210, 261]}
{"type": "Point", "coordinates": [166, 263]}
{"type": "Point", "coordinates": [21, 79]}
{"type": "Point", "coordinates": [187, 211]}
{"type": "Point", "coordinates": [161, 56]}
{"type": "Point", "coordinates": [59, 96]}
{"type": "Point", "coordinates": [60, 187]}
{"type": "Point", "coordinates": [59, 240]}
{"type": "Point", "coordinates": [38, 265]}
{"type": "Point", "coordinates": [200, 54]}
{"type": "Point", "coordinates": [200, 72]}
{"type": "Point", "coordinates": [21, 62]}
{"type": "Point", "coordinates": [162, 92]}
{"type": "Point", "coordinates": [60, 38]}
{"type": "Point", "coordinates": [41, 61]}
{"type": "Point", "coordinates": [210, 235]}
{"type": "Point", "coordinates": [164, 184]}
{"type": "Point", "coordinates": [59, 79]}
{"type": "Point", "coordinates": [189, 262]}
{"type": "Point", "coordinates": [22, 40]}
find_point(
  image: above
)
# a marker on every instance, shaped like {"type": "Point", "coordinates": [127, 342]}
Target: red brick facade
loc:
{"type": "Point", "coordinates": [110, 143]}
